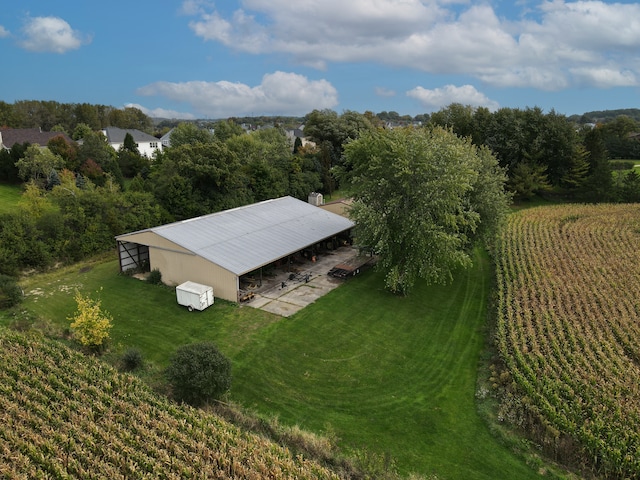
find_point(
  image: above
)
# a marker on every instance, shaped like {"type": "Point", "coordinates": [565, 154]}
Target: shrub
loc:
{"type": "Point", "coordinates": [131, 360]}
{"type": "Point", "coordinates": [198, 373]}
{"type": "Point", "coordinates": [155, 277]}
{"type": "Point", "coordinates": [622, 164]}
{"type": "Point", "coordinates": [90, 325]}
{"type": "Point", "coordinates": [10, 292]}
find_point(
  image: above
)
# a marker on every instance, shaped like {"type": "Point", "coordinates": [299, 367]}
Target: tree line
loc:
{"type": "Point", "coordinates": [81, 195]}
{"type": "Point", "coordinates": [547, 153]}
{"type": "Point", "coordinates": [78, 196]}
{"type": "Point", "coordinates": [65, 117]}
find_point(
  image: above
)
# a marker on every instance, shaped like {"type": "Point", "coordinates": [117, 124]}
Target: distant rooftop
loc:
{"type": "Point", "coordinates": [116, 135]}
{"type": "Point", "coordinates": [10, 136]}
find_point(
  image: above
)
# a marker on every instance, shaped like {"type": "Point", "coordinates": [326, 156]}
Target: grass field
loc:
{"type": "Point", "coordinates": [393, 375]}
{"type": "Point", "coordinates": [9, 197]}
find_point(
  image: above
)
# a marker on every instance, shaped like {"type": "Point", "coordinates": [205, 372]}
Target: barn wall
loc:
{"type": "Point", "coordinates": [177, 267]}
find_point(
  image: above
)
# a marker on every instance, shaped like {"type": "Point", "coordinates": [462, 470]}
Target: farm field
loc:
{"type": "Point", "coordinates": [393, 375]}
{"type": "Point", "coordinates": [64, 415]}
{"type": "Point", "coordinates": [569, 330]}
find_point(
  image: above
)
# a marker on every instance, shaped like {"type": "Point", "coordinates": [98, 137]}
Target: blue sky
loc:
{"type": "Point", "coordinates": [216, 59]}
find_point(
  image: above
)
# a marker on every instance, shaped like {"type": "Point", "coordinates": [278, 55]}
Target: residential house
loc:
{"type": "Point", "coordinates": [298, 133]}
{"type": "Point", "coordinates": [147, 144]}
{"type": "Point", "coordinates": [35, 136]}
{"type": "Point", "coordinates": [165, 140]}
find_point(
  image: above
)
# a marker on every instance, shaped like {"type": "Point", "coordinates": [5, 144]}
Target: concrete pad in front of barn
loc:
{"type": "Point", "coordinates": [285, 297]}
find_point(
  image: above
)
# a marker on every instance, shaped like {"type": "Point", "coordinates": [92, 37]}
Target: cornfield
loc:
{"type": "Point", "coordinates": [63, 415]}
{"type": "Point", "coordinates": [569, 328]}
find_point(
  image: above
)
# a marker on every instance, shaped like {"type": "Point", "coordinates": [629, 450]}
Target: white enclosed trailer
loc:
{"type": "Point", "coordinates": [194, 296]}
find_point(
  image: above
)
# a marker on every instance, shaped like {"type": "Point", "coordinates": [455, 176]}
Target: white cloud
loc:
{"type": "Point", "coordinates": [605, 77]}
{"type": "Point", "coordinates": [385, 92]}
{"type": "Point", "coordinates": [51, 34]}
{"type": "Point", "coordinates": [441, 97]}
{"type": "Point", "coordinates": [3, 32]}
{"type": "Point", "coordinates": [280, 93]}
{"type": "Point", "coordinates": [195, 7]}
{"type": "Point", "coordinates": [162, 112]}
{"type": "Point", "coordinates": [549, 47]}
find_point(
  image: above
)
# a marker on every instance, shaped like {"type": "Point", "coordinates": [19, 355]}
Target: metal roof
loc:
{"type": "Point", "coordinates": [246, 238]}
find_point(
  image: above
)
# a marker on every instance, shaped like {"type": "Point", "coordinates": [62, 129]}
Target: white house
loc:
{"type": "Point", "coordinates": [298, 133]}
{"type": "Point", "coordinates": [166, 139]}
{"type": "Point", "coordinates": [147, 144]}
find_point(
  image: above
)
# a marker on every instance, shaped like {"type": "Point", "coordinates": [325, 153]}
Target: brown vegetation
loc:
{"type": "Point", "coordinates": [569, 332]}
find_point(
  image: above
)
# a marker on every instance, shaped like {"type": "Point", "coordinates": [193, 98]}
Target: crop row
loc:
{"type": "Point", "coordinates": [66, 416]}
{"type": "Point", "coordinates": [569, 325]}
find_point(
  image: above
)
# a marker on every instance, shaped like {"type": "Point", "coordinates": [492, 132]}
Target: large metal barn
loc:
{"type": "Point", "coordinates": [218, 249]}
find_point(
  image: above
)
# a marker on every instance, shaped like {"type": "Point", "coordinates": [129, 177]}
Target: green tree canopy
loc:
{"type": "Point", "coordinates": [187, 133]}
{"type": "Point", "coordinates": [96, 150]}
{"type": "Point", "coordinates": [331, 132]}
{"type": "Point", "coordinates": [8, 159]}
{"type": "Point", "coordinates": [82, 130]}
{"type": "Point", "coordinates": [420, 197]}
{"type": "Point", "coordinates": [38, 163]}
{"type": "Point", "coordinates": [225, 129]}
{"type": "Point", "coordinates": [199, 373]}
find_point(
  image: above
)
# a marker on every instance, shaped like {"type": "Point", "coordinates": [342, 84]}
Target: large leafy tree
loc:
{"type": "Point", "coordinates": [96, 149]}
{"type": "Point", "coordinates": [224, 130]}
{"type": "Point", "coordinates": [8, 159]}
{"type": "Point", "coordinates": [615, 135]}
{"type": "Point", "coordinates": [38, 163]}
{"type": "Point", "coordinates": [456, 116]}
{"type": "Point", "coordinates": [188, 133]}
{"type": "Point", "coordinates": [194, 179]}
{"type": "Point", "coordinates": [68, 151]}
{"type": "Point", "coordinates": [331, 132]}
{"type": "Point", "coordinates": [598, 185]}
{"type": "Point", "coordinates": [420, 197]}
{"type": "Point", "coordinates": [130, 117]}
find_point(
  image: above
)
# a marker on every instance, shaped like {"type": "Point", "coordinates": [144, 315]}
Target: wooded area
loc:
{"type": "Point", "coordinates": [81, 194]}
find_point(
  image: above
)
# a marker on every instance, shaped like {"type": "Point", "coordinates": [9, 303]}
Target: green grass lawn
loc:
{"type": "Point", "coordinates": [9, 197]}
{"type": "Point", "coordinates": [394, 375]}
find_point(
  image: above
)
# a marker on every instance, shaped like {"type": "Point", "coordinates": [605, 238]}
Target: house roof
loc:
{"type": "Point", "coordinates": [10, 136]}
{"type": "Point", "coordinates": [246, 238]}
{"type": "Point", "coordinates": [116, 135]}
{"type": "Point", "coordinates": [166, 138]}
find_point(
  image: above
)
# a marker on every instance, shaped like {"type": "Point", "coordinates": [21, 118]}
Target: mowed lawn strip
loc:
{"type": "Point", "coordinates": [396, 375]}
{"type": "Point", "coordinates": [9, 197]}
{"type": "Point", "coordinates": [391, 374]}
{"type": "Point", "coordinates": [145, 316]}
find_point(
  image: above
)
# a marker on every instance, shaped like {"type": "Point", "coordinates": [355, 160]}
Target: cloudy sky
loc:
{"type": "Point", "coordinates": [216, 59]}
